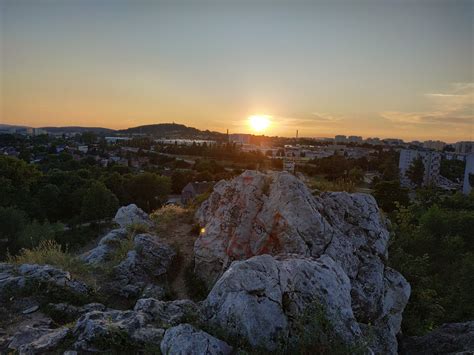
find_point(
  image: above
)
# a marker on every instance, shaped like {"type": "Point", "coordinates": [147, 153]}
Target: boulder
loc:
{"type": "Point", "coordinates": [37, 280]}
{"type": "Point", "coordinates": [450, 338]}
{"type": "Point", "coordinates": [184, 339]}
{"type": "Point", "coordinates": [131, 214]}
{"type": "Point", "coordinates": [168, 314]}
{"type": "Point", "coordinates": [145, 265]}
{"type": "Point", "coordinates": [261, 298]}
{"type": "Point", "coordinates": [275, 213]}
{"type": "Point", "coordinates": [106, 247]}
{"type": "Point", "coordinates": [37, 340]}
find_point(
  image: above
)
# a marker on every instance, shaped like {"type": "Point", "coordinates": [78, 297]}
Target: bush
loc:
{"type": "Point", "coordinates": [168, 215]}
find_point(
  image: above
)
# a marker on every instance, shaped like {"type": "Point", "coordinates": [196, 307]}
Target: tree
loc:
{"type": "Point", "coordinates": [356, 174]}
{"type": "Point", "coordinates": [148, 190]}
{"type": "Point", "coordinates": [12, 222]}
{"type": "Point", "coordinates": [34, 233]}
{"type": "Point", "coordinates": [98, 203]}
{"type": "Point", "coordinates": [388, 193]}
{"type": "Point", "coordinates": [416, 171]}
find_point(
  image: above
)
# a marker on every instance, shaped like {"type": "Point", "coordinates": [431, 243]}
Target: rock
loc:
{"type": "Point", "coordinates": [259, 299]}
{"type": "Point", "coordinates": [106, 247]}
{"type": "Point", "coordinates": [168, 314]}
{"type": "Point", "coordinates": [450, 338]}
{"type": "Point", "coordinates": [64, 312]}
{"type": "Point", "coordinates": [145, 265]}
{"type": "Point", "coordinates": [28, 279]}
{"type": "Point", "coordinates": [37, 340]}
{"type": "Point", "coordinates": [95, 331]}
{"type": "Point", "coordinates": [131, 214]}
{"type": "Point", "coordinates": [184, 339]}
{"type": "Point", "coordinates": [276, 214]}
{"type": "Point", "coordinates": [30, 310]}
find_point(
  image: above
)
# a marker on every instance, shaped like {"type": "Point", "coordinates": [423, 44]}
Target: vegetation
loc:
{"type": "Point", "coordinates": [416, 172]}
{"type": "Point", "coordinates": [432, 245]}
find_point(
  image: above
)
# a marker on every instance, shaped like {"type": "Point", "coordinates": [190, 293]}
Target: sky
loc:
{"type": "Point", "coordinates": [385, 68]}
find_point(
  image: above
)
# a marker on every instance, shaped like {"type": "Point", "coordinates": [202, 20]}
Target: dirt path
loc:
{"type": "Point", "coordinates": [182, 239]}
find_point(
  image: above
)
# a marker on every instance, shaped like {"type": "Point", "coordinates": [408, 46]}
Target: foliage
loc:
{"type": "Point", "coordinates": [432, 246]}
{"type": "Point", "coordinates": [169, 215]}
{"type": "Point", "coordinates": [324, 185]}
{"type": "Point", "coordinates": [416, 171]}
{"type": "Point", "coordinates": [98, 203]}
{"type": "Point", "coordinates": [389, 193]}
{"type": "Point", "coordinates": [452, 169]}
{"type": "Point", "coordinates": [148, 190]}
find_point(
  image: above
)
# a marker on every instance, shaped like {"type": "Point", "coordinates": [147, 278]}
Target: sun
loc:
{"type": "Point", "coordinates": [259, 123]}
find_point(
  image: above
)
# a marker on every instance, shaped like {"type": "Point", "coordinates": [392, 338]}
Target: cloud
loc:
{"type": "Point", "coordinates": [452, 108]}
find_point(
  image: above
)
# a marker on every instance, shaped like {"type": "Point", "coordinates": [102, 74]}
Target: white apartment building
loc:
{"type": "Point", "coordinates": [431, 161]}
{"type": "Point", "coordinates": [340, 139]}
{"type": "Point", "coordinates": [468, 175]}
{"type": "Point", "coordinates": [465, 147]}
{"type": "Point", "coordinates": [354, 139]}
{"type": "Point", "coordinates": [436, 145]}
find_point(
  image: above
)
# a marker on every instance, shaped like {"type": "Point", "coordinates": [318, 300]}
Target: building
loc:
{"type": "Point", "coordinates": [465, 147]}
{"type": "Point", "coordinates": [340, 139]}
{"type": "Point", "coordinates": [240, 138]}
{"type": "Point", "coordinates": [435, 145]}
{"type": "Point", "coordinates": [354, 139]}
{"type": "Point", "coordinates": [431, 161]}
{"type": "Point", "coordinates": [468, 184]}
{"type": "Point", "coordinates": [393, 141]}
{"type": "Point", "coordinates": [193, 189]}
{"type": "Point", "coordinates": [373, 141]}
{"type": "Point", "coordinates": [35, 131]}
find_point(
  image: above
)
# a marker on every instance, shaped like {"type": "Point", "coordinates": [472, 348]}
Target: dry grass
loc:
{"type": "Point", "coordinates": [49, 252]}
{"type": "Point", "coordinates": [337, 185]}
{"type": "Point", "coordinates": [168, 216]}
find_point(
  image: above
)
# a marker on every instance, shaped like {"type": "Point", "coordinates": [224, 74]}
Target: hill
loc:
{"type": "Point", "coordinates": [173, 130]}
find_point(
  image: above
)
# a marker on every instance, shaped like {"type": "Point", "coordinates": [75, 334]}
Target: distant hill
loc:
{"type": "Point", "coordinates": [173, 130]}
{"type": "Point", "coordinates": [78, 129]}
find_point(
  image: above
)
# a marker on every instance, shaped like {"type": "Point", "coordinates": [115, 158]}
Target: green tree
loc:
{"type": "Point", "coordinates": [148, 190]}
{"type": "Point", "coordinates": [98, 203]}
{"type": "Point", "coordinates": [34, 233]}
{"type": "Point", "coordinates": [416, 171]}
{"type": "Point", "coordinates": [389, 193]}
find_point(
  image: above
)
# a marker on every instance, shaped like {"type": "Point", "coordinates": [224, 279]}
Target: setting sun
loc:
{"type": "Point", "coordinates": [259, 123]}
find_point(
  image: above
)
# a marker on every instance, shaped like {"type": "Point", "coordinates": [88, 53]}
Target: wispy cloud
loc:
{"type": "Point", "coordinates": [452, 108]}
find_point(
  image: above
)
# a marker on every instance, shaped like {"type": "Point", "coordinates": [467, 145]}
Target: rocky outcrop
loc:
{"type": "Point", "coordinates": [259, 299]}
{"type": "Point", "coordinates": [37, 340]}
{"type": "Point", "coordinates": [450, 338]}
{"type": "Point", "coordinates": [106, 247]}
{"type": "Point", "coordinates": [131, 214]}
{"type": "Point", "coordinates": [185, 339]}
{"type": "Point", "coordinates": [168, 314]}
{"type": "Point", "coordinates": [38, 280]}
{"type": "Point", "coordinates": [276, 214]}
{"type": "Point", "coordinates": [144, 267]}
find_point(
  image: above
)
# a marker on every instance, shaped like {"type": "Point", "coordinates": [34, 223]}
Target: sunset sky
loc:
{"type": "Point", "coordinates": [373, 68]}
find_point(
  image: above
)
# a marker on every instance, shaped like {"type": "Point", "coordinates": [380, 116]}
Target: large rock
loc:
{"type": "Point", "coordinates": [37, 340]}
{"type": "Point", "coordinates": [184, 339]}
{"type": "Point", "coordinates": [168, 314]}
{"type": "Point", "coordinates": [146, 264]}
{"type": "Point", "coordinates": [275, 213]}
{"type": "Point", "coordinates": [131, 214]}
{"type": "Point", "coordinates": [37, 280]}
{"type": "Point", "coordinates": [259, 299]}
{"type": "Point", "coordinates": [106, 247]}
{"type": "Point", "coordinates": [450, 338]}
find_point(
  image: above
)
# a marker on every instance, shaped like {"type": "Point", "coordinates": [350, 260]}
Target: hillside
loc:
{"type": "Point", "coordinates": [172, 130]}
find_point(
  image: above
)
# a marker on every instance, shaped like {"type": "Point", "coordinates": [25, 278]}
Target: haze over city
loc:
{"type": "Point", "coordinates": [371, 68]}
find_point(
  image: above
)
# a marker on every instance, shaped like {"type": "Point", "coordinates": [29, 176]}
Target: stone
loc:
{"type": "Point", "coordinates": [168, 314]}
{"type": "Point", "coordinates": [275, 213]}
{"type": "Point", "coordinates": [30, 310]}
{"type": "Point", "coordinates": [37, 340]}
{"type": "Point", "coordinates": [106, 247]}
{"type": "Point", "coordinates": [450, 338]}
{"type": "Point", "coordinates": [258, 299]}
{"type": "Point", "coordinates": [131, 214]}
{"type": "Point", "coordinates": [184, 339]}
{"type": "Point", "coordinates": [31, 278]}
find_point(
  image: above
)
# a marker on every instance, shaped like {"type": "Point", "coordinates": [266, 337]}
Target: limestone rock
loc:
{"type": "Point", "coordinates": [31, 278]}
{"type": "Point", "coordinates": [450, 338]}
{"type": "Point", "coordinates": [106, 247]}
{"type": "Point", "coordinates": [276, 214]}
{"type": "Point", "coordinates": [168, 314]}
{"type": "Point", "coordinates": [184, 339]}
{"type": "Point", "coordinates": [37, 340]}
{"type": "Point", "coordinates": [259, 298]}
{"type": "Point", "coordinates": [131, 214]}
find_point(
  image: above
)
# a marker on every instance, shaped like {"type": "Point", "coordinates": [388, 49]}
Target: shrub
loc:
{"type": "Point", "coordinates": [170, 215]}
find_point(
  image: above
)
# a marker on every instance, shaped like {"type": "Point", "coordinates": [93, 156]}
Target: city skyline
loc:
{"type": "Point", "coordinates": [394, 69]}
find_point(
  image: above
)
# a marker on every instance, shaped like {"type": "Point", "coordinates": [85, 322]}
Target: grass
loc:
{"type": "Point", "coordinates": [324, 185]}
{"type": "Point", "coordinates": [49, 252]}
{"type": "Point", "coordinates": [169, 215]}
